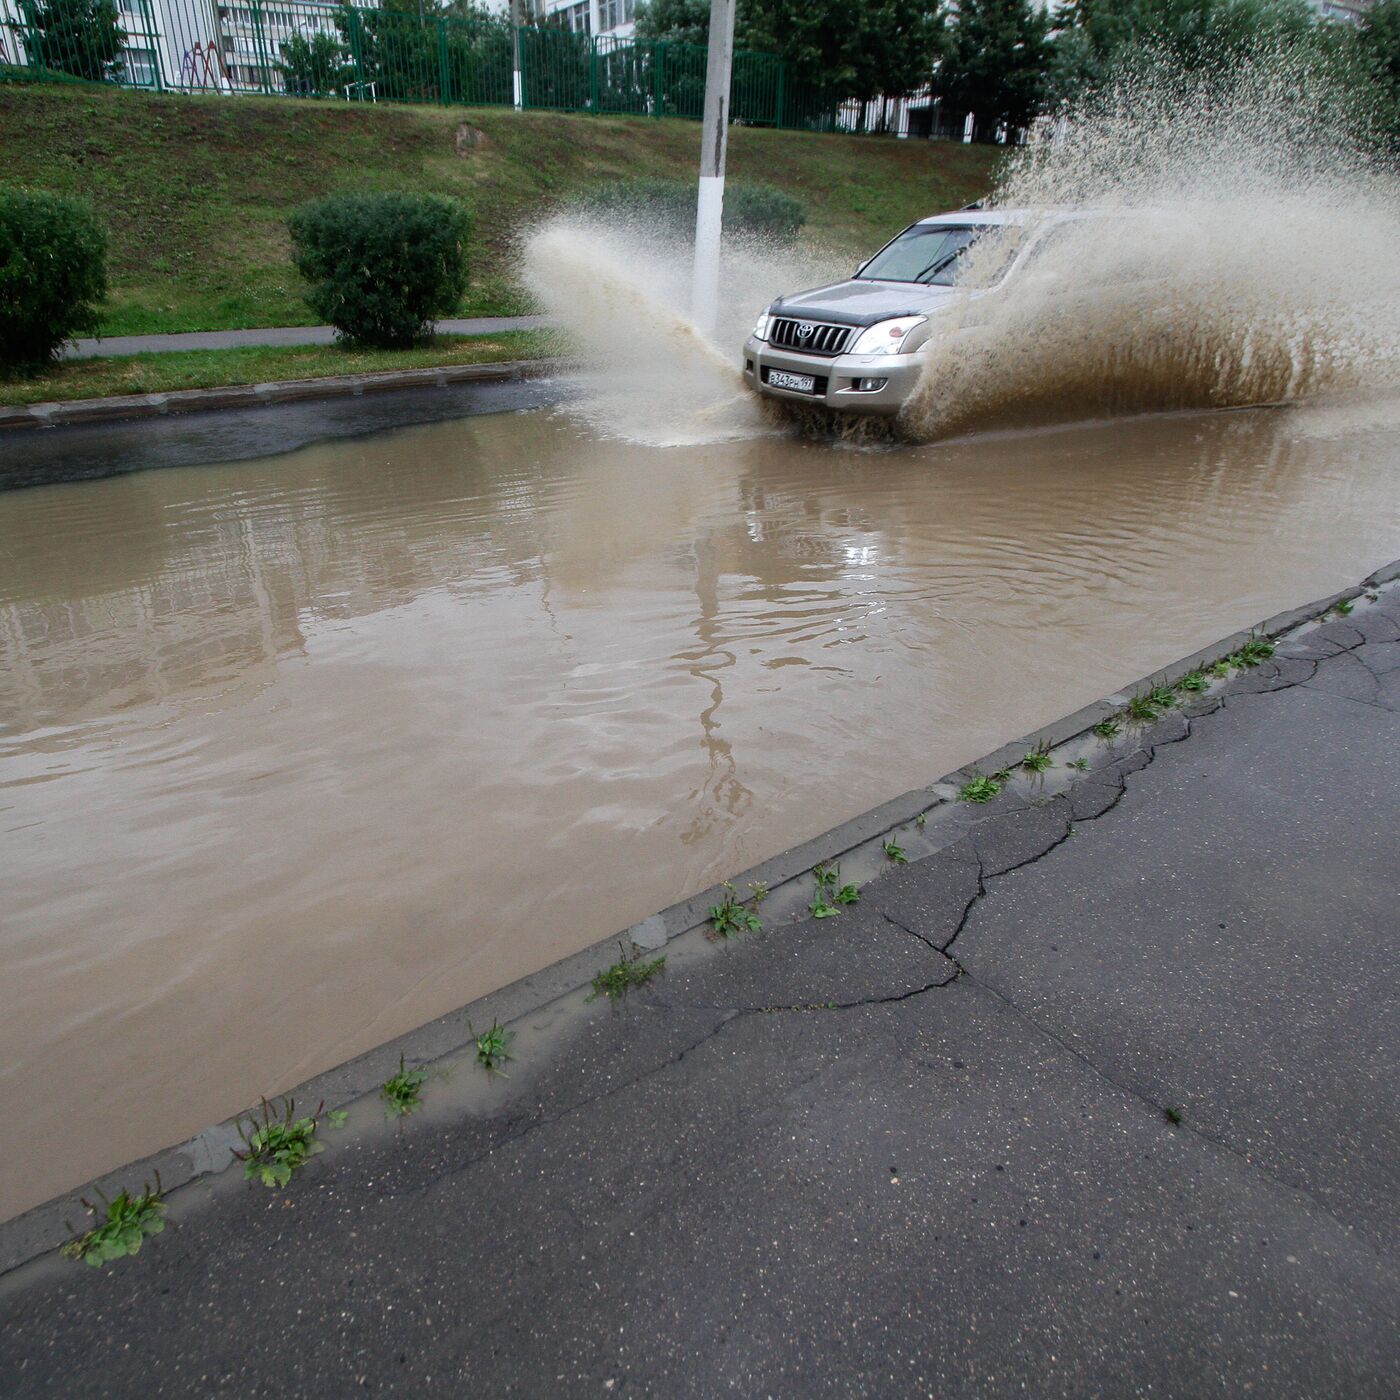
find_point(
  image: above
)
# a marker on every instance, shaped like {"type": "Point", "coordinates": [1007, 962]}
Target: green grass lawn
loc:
{"type": "Point", "coordinates": [207, 369]}
{"type": "Point", "coordinates": [195, 190]}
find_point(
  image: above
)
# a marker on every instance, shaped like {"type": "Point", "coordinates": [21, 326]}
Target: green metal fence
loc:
{"type": "Point", "coordinates": [390, 53]}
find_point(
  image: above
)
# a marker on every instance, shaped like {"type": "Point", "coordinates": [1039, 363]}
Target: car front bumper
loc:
{"type": "Point", "coordinates": [836, 379]}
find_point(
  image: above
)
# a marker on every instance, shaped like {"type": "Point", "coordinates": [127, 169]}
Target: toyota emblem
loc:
{"type": "Point", "coordinates": [805, 330]}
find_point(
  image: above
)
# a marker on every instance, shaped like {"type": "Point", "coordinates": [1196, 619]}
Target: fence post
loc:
{"type": "Point", "coordinates": [593, 76]}
{"type": "Point", "coordinates": [356, 49]}
{"type": "Point", "coordinates": [781, 100]}
{"type": "Point", "coordinates": [260, 48]}
{"type": "Point", "coordinates": [658, 75]}
{"type": "Point", "coordinates": [157, 48]}
{"type": "Point", "coordinates": [444, 68]}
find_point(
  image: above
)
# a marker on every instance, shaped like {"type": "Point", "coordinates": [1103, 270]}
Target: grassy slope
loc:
{"type": "Point", "coordinates": [195, 189]}
{"type": "Point", "coordinates": [203, 369]}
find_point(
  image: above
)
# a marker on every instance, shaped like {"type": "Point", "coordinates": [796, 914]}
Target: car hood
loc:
{"type": "Point", "coordinates": [859, 302]}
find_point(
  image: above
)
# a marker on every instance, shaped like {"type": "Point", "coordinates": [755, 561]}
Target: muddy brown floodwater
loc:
{"type": "Point", "coordinates": [296, 754]}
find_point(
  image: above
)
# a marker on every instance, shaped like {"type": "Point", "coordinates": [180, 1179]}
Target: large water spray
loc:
{"type": "Point", "coordinates": [1244, 249]}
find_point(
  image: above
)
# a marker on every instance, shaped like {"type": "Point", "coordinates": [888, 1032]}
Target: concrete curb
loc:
{"type": "Point", "coordinates": [51, 415]}
{"type": "Point", "coordinates": [42, 1229]}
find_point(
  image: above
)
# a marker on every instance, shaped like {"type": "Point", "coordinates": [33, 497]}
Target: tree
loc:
{"type": "Point", "coordinates": [315, 67]}
{"type": "Point", "coordinates": [850, 48]}
{"type": "Point", "coordinates": [80, 37]}
{"type": "Point", "coordinates": [1377, 41]}
{"type": "Point", "coordinates": [995, 63]}
{"type": "Point", "coordinates": [1095, 36]}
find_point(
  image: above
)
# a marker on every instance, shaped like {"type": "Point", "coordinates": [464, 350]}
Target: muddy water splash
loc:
{"type": "Point", "coordinates": [620, 289]}
{"type": "Point", "coordinates": [1242, 251]}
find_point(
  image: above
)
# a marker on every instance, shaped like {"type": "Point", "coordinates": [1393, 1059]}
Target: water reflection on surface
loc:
{"type": "Point", "coordinates": [298, 753]}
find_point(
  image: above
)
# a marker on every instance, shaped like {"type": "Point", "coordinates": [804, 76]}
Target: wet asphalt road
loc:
{"type": "Point", "coordinates": [920, 1150]}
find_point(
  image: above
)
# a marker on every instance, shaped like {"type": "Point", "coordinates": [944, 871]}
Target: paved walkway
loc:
{"type": "Point", "coordinates": [919, 1150]}
{"type": "Point", "coordinates": [279, 335]}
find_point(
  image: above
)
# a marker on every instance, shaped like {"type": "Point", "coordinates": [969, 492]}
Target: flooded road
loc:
{"type": "Point", "coordinates": [298, 753]}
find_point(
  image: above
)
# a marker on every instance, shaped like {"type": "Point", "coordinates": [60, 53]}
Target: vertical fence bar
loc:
{"type": "Point", "coordinates": [444, 73]}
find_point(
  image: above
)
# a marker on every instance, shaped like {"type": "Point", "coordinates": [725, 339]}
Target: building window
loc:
{"type": "Point", "coordinates": [612, 13]}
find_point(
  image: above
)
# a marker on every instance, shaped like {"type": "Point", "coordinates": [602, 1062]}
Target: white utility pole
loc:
{"type": "Point", "coordinates": [714, 138]}
{"type": "Point", "coordinates": [516, 20]}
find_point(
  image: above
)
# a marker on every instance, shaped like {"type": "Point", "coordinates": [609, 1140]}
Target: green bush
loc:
{"type": "Point", "coordinates": [53, 274]}
{"type": "Point", "coordinates": [748, 208]}
{"type": "Point", "coordinates": [382, 267]}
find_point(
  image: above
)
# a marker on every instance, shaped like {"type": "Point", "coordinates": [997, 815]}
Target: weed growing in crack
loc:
{"type": "Point", "coordinates": [1080, 765]}
{"type": "Point", "coordinates": [1163, 697]}
{"type": "Point", "coordinates": [1038, 759]}
{"type": "Point", "coordinates": [1345, 608]}
{"type": "Point", "coordinates": [493, 1046]}
{"type": "Point", "coordinates": [1172, 1115]}
{"type": "Point", "coordinates": [1373, 597]}
{"type": "Point", "coordinates": [979, 788]}
{"type": "Point", "coordinates": [1142, 709]}
{"type": "Point", "coordinates": [616, 981]}
{"type": "Point", "coordinates": [403, 1093]}
{"type": "Point", "coordinates": [921, 820]}
{"type": "Point", "coordinates": [1108, 729]}
{"type": "Point", "coordinates": [830, 892]}
{"type": "Point", "coordinates": [896, 853]}
{"type": "Point", "coordinates": [279, 1145]}
{"type": "Point", "coordinates": [731, 915]}
{"type": "Point", "coordinates": [125, 1223]}
{"type": "Point", "coordinates": [758, 892]}
{"type": "Point", "coordinates": [1255, 650]}
{"type": "Point", "coordinates": [1221, 668]}
{"type": "Point", "coordinates": [1193, 682]}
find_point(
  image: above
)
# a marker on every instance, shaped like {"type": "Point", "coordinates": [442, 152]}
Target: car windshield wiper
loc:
{"type": "Point", "coordinates": [938, 264]}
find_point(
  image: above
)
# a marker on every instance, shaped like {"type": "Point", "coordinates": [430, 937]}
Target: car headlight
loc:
{"type": "Point", "coordinates": [760, 328]}
{"type": "Point", "coordinates": [886, 337]}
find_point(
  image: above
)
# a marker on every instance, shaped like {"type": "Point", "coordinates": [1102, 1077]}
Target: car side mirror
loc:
{"type": "Point", "coordinates": [861, 268]}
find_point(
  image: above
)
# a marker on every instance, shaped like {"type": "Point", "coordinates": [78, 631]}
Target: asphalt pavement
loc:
{"type": "Point", "coordinates": [926, 1148]}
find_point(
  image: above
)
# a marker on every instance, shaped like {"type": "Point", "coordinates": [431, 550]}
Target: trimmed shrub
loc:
{"type": "Point", "coordinates": [756, 209]}
{"type": "Point", "coordinates": [382, 267]}
{"type": "Point", "coordinates": [53, 274]}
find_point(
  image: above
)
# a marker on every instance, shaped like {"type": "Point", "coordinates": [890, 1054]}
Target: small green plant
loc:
{"type": "Point", "coordinates": [1141, 709]}
{"type": "Point", "coordinates": [1172, 1115]}
{"type": "Point", "coordinates": [125, 1223]}
{"type": "Point", "coordinates": [921, 820]}
{"type": "Point", "coordinates": [1108, 729]}
{"type": "Point", "coordinates": [404, 1092]}
{"type": "Point", "coordinates": [1162, 696]}
{"type": "Point", "coordinates": [896, 853]}
{"type": "Point", "coordinates": [731, 915]}
{"type": "Point", "coordinates": [1220, 669]}
{"type": "Point", "coordinates": [1193, 682]}
{"type": "Point", "coordinates": [1255, 650]}
{"type": "Point", "coordinates": [979, 788]}
{"type": "Point", "coordinates": [1038, 760]}
{"type": "Point", "coordinates": [493, 1045]}
{"type": "Point", "coordinates": [830, 892]}
{"type": "Point", "coordinates": [758, 892]}
{"type": "Point", "coordinates": [616, 981]}
{"type": "Point", "coordinates": [1079, 765]}
{"type": "Point", "coordinates": [279, 1145]}
{"type": "Point", "coordinates": [53, 273]}
{"type": "Point", "coordinates": [1373, 597]}
{"type": "Point", "coordinates": [382, 266]}
{"type": "Point", "coordinates": [1345, 608]}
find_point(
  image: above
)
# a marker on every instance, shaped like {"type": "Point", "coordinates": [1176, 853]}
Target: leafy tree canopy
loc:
{"type": "Point", "coordinates": [996, 56]}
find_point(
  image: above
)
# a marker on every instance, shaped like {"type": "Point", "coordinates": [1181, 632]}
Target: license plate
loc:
{"type": "Point", "coordinates": [781, 379]}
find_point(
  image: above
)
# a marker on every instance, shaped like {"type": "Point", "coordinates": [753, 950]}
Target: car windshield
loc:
{"type": "Point", "coordinates": [931, 254]}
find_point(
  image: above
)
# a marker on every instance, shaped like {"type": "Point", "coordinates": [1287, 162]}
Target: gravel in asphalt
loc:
{"type": "Point", "coordinates": [920, 1149]}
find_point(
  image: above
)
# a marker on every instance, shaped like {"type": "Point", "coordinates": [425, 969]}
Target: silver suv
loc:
{"type": "Point", "coordinates": [855, 346]}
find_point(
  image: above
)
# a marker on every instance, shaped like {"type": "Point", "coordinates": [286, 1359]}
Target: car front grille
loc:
{"type": "Point", "coordinates": [808, 337]}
